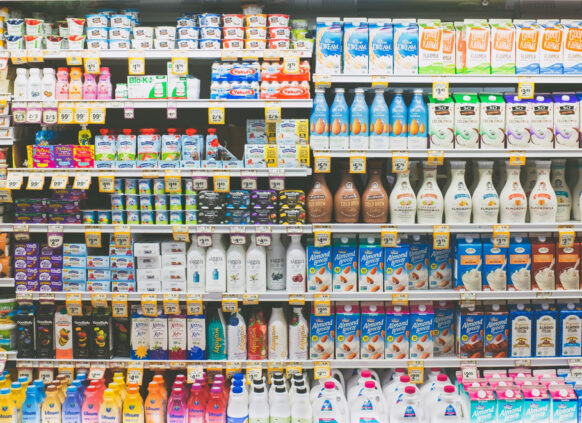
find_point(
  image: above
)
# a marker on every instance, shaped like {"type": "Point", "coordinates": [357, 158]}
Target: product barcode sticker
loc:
{"type": "Point", "coordinates": [293, 368]}
{"type": "Point", "coordinates": [416, 371]}
{"type": "Point", "coordinates": [321, 370]}
{"type": "Point", "coordinates": [322, 81]}
{"type": "Point", "coordinates": [297, 299]}
{"type": "Point", "coordinates": [440, 237]}
{"type": "Point", "coordinates": [322, 304]}
{"type": "Point", "coordinates": [250, 299]}
{"type": "Point", "coordinates": [379, 81]}
{"type": "Point", "coordinates": [233, 367]}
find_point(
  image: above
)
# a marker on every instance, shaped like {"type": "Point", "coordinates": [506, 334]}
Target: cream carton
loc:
{"type": "Point", "coordinates": [517, 117]}
{"type": "Point", "coordinates": [328, 46]}
{"type": "Point", "coordinates": [509, 404]}
{"type": "Point", "coordinates": [572, 46]}
{"type": "Point", "coordinates": [441, 123]}
{"type": "Point", "coordinates": [405, 47]}
{"type": "Point", "coordinates": [527, 50]}
{"type": "Point", "coordinates": [355, 46]}
{"type": "Point", "coordinates": [467, 109]}
{"type": "Point", "coordinates": [381, 46]}
{"type": "Point", "coordinates": [551, 47]}
{"type": "Point", "coordinates": [502, 46]}
{"type": "Point", "coordinates": [492, 121]}
{"type": "Point", "coordinates": [430, 46]}
{"type": "Point", "coordinates": [566, 120]}
{"type": "Point", "coordinates": [373, 331]}
{"type": "Point", "coordinates": [478, 55]}
{"type": "Point", "coordinates": [564, 404]}
{"type": "Point", "coordinates": [460, 47]}
{"type": "Point", "coordinates": [448, 48]}
{"type": "Point", "coordinates": [347, 331]}
{"type": "Point", "coordinates": [542, 122]}
{"type": "Point", "coordinates": [482, 404]}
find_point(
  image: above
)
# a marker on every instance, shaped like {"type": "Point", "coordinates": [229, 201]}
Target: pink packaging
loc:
{"type": "Point", "coordinates": [278, 20]}
{"type": "Point", "coordinates": [373, 331]}
{"type": "Point", "coordinates": [519, 372]}
{"type": "Point", "coordinates": [495, 382]}
{"type": "Point", "coordinates": [421, 328]}
{"type": "Point", "coordinates": [494, 373]}
{"type": "Point", "coordinates": [525, 380]}
{"type": "Point", "coordinates": [474, 383]}
{"type": "Point", "coordinates": [279, 33]}
{"type": "Point", "coordinates": [43, 157]}
{"type": "Point", "coordinates": [551, 381]}
{"type": "Point", "coordinates": [347, 331]}
{"type": "Point", "coordinates": [482, 404]}
{"type": "Point", "coordinates": [397, 332]}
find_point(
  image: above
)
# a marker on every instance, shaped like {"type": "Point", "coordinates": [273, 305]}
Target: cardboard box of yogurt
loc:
{"type": "Point", "coordinates": [567, 264]}
{"type": "Point", "coordinates": [543, 251]}
{"type": "Point", "coordinates": [397, 332]}
{"type": "Point", "coordinates": [492, 121]}
{"type": "Point", "coordinates": [542, 122]}
{"type": "Point", "coordinates": [518, 266]}
{"type": "Point", "coordinates": [347, 331]}
{"type": "Point", "coordinates": [467, 111]}
{"type": "Point", "coordinates": [468, 263]}
{"type": "Point", "coordinates": [373, 330]}
{"type": "Point", "coordinates": [441, 123]}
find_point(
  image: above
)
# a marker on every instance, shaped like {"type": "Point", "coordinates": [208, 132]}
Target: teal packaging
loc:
{"type": "Point", "coordinates": [509, 405]}
{"type": "Point", "coordinates": [482, 405]}
{"type": "Point", "coordinates": [371, 261]}
{"type": "Point", "coordinates": [216, 345]}
{"type": "Point", "coordinates": [345, 263]}
{"type": "Point", "coordinates": [564, 404]}
{"type": "Point", "coordinates": [536, 404]}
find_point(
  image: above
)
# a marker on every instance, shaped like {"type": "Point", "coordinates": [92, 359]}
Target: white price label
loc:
{"type": "Point", "coordinates": [128, 112]}
{"type": "Point", "coordinates": [200, 182]}
{"type": "Point", "coordinates": [55, 236]}
{"type": "Point", "coordinates": [97, 115]}
{"type": "Point", "coordinates": [322, 164]}
{"type": "Point", "coordinates": [14, 180]}
{"type": "Point", "coordinates": [272, 113]}
{"type": "Point", "coordinates": [216, 115]}
{"type": "Point", "coordinates": [82, 181]}
{"type": "Point", "coordinates": [291, 64]}
{"type": "Point", "coordinates": [179, 65]}
{"type": "Point", "coordinates": [35, 181]}
{"type": "Point", "coordinates": [66, 115]}
{"type": "Point", "coordinates": [33, 115]}
{"type": "Point", "coordinates": [92, 65]}
{"type": "Point", "coordinates": [357, 163]}
{"type": "Point", "coordinates": [59, 180]}
{"type": "Point", "coordinates": [171, 112]}
{"type": "Point", "coordinates": [50, 116]}
{"type": "Point", "coordinates": [136, 65]}
{"type": "Point", "coordinates": [81, 115]}
{"type": "Point", "coordinates": [440, 90]}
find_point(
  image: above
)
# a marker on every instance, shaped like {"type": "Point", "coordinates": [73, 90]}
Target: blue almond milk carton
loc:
{"type": "Point", "coordinates": [419, 261]}
{"type": "Point", "coordinates": [421, 330]}
{"type": "Point", "coordinates": [321, 346]}
{"type": "Point", "coordinates": [518, 262]}
{"type": "Point", "coordinates": [345, 263]}
{"type": "Point", "coordinates": [356, 46]}
{"type": "Point", "coordinates": [371, 261]}
{"type": "Point", "coordinates": [318, 267]}
{"type": "Point", "coordinates": [347, 331]}
{"type": "Point", "coordinates": [397, 266]}
{"type": "Point", "coordinates": [441, 269]}
{"type": "Point", "coordinates": [521, 330]}
{"type": "Point", "coordinates": [444, 328]}
{"type": "Point", "coordinates": [546, 330]}
{"type": "Point", "coordinates": [373, 331]}
{"type": "Point", "coordinates": [509, 404]}
{"type": "Point", "coordinates": [328, 46]}
{"type": "Point", "coordinates": [482, 404]}
{"type": "Point", "coordinates": [570, 330]}
{"type": "Point", "coordinates": [564, 404]}
{"type": "Point", "coordinates": [536, 403]}
{"type": "Point", "coordinates": [381, 46]}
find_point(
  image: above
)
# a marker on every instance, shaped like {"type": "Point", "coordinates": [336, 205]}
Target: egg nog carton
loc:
{"type": "Point", "coordinates": [551, 46]}
{"type": "Point", "coordinates": [492, 121]}
{"type": "Point", "coordinates": [502, 46]}
{"type": "Point", "coordinates": [421, 330]}
{"type": "Point", "coordinates": [476, 34]}
{"type": "Point", "coordinates": [430, 46]}
{"type": "Point", "coordinates": [355, 46]}
{"type": "Point", "coordinates": [405, 47]}
{"type": "Point", "coordinates": [542, 122]}
{"type": "Point", "coordinates": [449, 48]}
{"type": "Point", "coordinates": [373, 325]}
{"type": "Point", "coordinates": [397, 332]}
{"type": "Point", "coordinates": [347, 331]}
{"type": "Point", "coordinates": [566, 120]}
{"type": "Point", "coordinates": [527, 49]}
{"type": "Point", "coordinates": [328, 46]}
{"type": "Point", "coordinates": [441, 123]}
{"type": "Point", "coordinates": [381, 46]}
{"type": "Point", "coordinates": [572, 46]}
{"type": "Point", "coordinates": [467, 111]}
{"type": "Point", "coordinates": [322, 335]}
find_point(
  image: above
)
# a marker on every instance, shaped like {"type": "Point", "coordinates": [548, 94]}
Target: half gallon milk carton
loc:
{"type": "Point", "coordinates": [441, 123]}
{"type": "Point", "coordinates": [381, 46]}
{"type": "Point", "coordinates": [572, 46]}
{"type": "Point", "coordinates": [502, 46]}
{"type": "Point", "coordinates": [551, 47]}
{"type": "Point", "coordinates": [318, 267]}
{"type": "Point", "coordinates": [371, 260]}
{"type": "Point", "coordinates": [328, 46]}
{"type": "Point", "coordinates": [448, 48]}
{"type": "Point", "coordinates": [373, 331]}
{"type": "Point", "coordinates": [430, 46]}
{"type": "Point", "coordinates": [397, 332]}
{"type": "Point", "coordinates": [521, 330]}
{"type": "Point", "coordinates": [542, 122]}
{"type": "Point", "coordinates": [347, 331]}
{"type": "Point", "coordinates": [444, 328]}
{"type": "Point", "coordinates": [492, 121]}
{"type": "Point", "coordinates": [345, 263]}
{"type": "Point", "coordinates": [405, 47]}
{"type": "Point", "coordinates": [536, 404]}
{"type": "Point", "coordinates": [564, 403]}
{"type": "Point", "coordinates": [527, 53]}
{"type": "Point", "coordinates": [566, 120]}
{"type": "Point", "coordinates": [322, 335]}
{"type": "Point", "coordinates": [478, 54]}
{"type": "Point", "coordinates": [517, 117]}
{"type": "Point", "coordinates": [356, 46]}
{"type": "Point", "coordinates": [467, 110]}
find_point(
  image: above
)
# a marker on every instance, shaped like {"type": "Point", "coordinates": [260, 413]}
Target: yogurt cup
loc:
{"type": "Point", "coordinates": [119, 44]}
{"type": "Point", "coordinates": [298, 34]}
{"type": "Point", "coordinates": [255, 44]}
{"type": "Point", "coordinates": [209, 44]}
{"type": "Point", "coordinates": [14, 42]}
{"type": "Point", "coordinates": [278, 44]}
{"type": "Point", "coordinates": [97, 44]}
{"type": "Point", "coordinates": [280, 33]}
{"type": "Point", "coordinates": [120, 21]}
{"type": "Point", "coordinates": [164, 44]}
{"type": "Point", "coordinates": [256, 33]}
{"type": "Point", "coordinates": [33, 42]}
{"type": "Point", "coordinates": [53, 42]}
{"type": "Point", "coordinates": [76, 42]}
{"type": "Point", "coordinates": [233, 44]}
{"type": "Point", "coordinates": [209, 19]}
{"type": "Point", "coordinates": [306, 44]}
{"type": "Point", "coordinates": [98, 33]}
{"type": "Point", "coordinates": [119, 33]}
{"type": "Point", "coordinates": [107, 12]}
{"type": "Point", "coordinates": [142, 44]}
{"type": "Point", "coordinates": [229, 20]}
{"type": "Point", "coordinates": [143, 32]}
{"type": "Point", "coordinates": [187, 44]}
{"type": "Point", "coordinates": [34, 26]}
{"type": "Point", "coordinates": [189, 32]}
{"type": "Point", "coordinates": [63, 28]}
{"type": "Point", "coordinates": [210, 32]}
{"type": "Point", "coordinates": [97, 21]}
{"type": "Point", "coordinates": [76, 26]}
{"type": "Point", "coordinates": [165, 32]}
{"type": "Point", "coordinates": [299, 24]}
{"type": "Point", "coordinates": [278, 20]}
{"type": "Point", "coordinates": [256, 20]}
{"type": "Point", "coordinates": [15, 26]}
{"type": "Point", "coordinates": [49, 29]}
{"type": "Point", "coordinates": [233, 32]}
{"type": "Point", "coordinates": [185, 21]}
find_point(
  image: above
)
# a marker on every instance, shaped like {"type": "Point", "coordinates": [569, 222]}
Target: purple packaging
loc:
{"type": "Point", "coordinates": [444, 328]}
{"type": "Point", "coordinates": [63, 156]}
{"type": "Point", "coordinates": [64, 207]}
{"type": "Point", "coordinates": [26, 262]}
{"type": "Point", "coordinates": [30, 218]}
{"type": "Point", "coordinates": [50, 261]}
{"type": "Point", "coordinates": [30, 205]}
{"type": "Point", "coordinates": [26, 249]}
{"type": "Point", "coordinates": [66, 219]}
{"type": "Point", "coordinates": [566, 120]}
{"type": "Point", "coordinates": [26, 280]}
{"type": "Point", "coordinates": [397, 332]}
{"type": "Point", "coordinates": [518, 114]}
{"type": "Point", "coordinates": [50, 280]}
{"type": "Point", "coordinates": [546, 330]}
{"type": "Point", "coordinates": [45, 250]}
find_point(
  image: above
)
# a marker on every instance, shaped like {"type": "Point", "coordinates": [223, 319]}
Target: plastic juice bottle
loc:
{"type": "Point", "coordinates": [90, 409]}
{"type": "Point", "coordinates": [133, 406]}
{"type": "Point", "coordinates": [109, 411]}
{"type": "Point", "coordinates": [417, 122]}
{"type": "Point", "coordinates": [62, 84]}
{"type": "Point", "coordinates": [8, 412]}
{"type": "Point", "coordinates": [319, 122]}
{"type": "Point", "coordinates": [51, 408]}
{"type": "Point", "coordinates": [238, 409]}
{"type": "Point", "coordinates": [117, 393]}
{"type": "Point", "coordinates": [154, 404]}
{"type": "Point", "coordinates": [177, 408]}
{"type": "Point", "coordinates": [104, 87]}
{"type": "Point", "coordinates": [30, 411]}
{"type": "Point", "coordinates": [39, 385]}
{"type": "Point", "coordinates": [118, 378]}
{"type": "Point", "coordinates": [339, 116]}
{"type": "Point", "coordinates": [359, 122]}
{"type": "Point", "coordinates": [23, 380]}
{"type": "Point", "coordinates": [72, 406]}
{"type": "Point", "coordinates": [196, 404]}
{"type": "Point", "coordinates": [379, 121]}
{"type": "Point", "coordinates": [76, 84]}
{"type": "Point", "coordinates": [18, 396]}
{"type": "Point", "coordinates": [161, 385]}
{"type": "Point", "coordinates": [80, 390]}
{"type": "Point", "coordinates": [215, 408]}
{"type": "Point", "coordinates": [89, 87]}
{"type": "Point", "coordinates": [398, 122]}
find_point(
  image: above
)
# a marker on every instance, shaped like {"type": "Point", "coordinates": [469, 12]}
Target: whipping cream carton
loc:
{"type": "Point", "coordinates": [444, 328]}
{"type": "Point", "coordinates": [570, 330]}
{"type": "Point", "coordinates": [502, 46]}
{"type": "Point", "coordinates": [371, 261]}
{"type": "Point", "coordinates": [509, 404]}
{"type": "Point", "coordinates": [566, 120]}
{"type": "Point", "coordinates": [322, 335]}
{"type": "Point", "coordinates": [542, 122]}
{"type": "Point", "coordinates": [373, 331]}
{"type": "Point", "coordinates": [355, 46]}
{"type": "Point", "coordinates": [536, 404]}
{"type": "Point", "coordinates": [521, 330]}
{"type": "Point", "coordinates": [397, 332]}
{"type": "Point", "coordinates": [441, 123]}
{"type": "Point", "coordinates": [551, 47]}
{"type": "Point", "coordinates": [448, 48]}
{"type": "Point", "coordinates": [419, 261]}
{"type": "Point", "coordinates": [572, 46]}
{"type": "Point", "coordinates": [527, 51]}
{"type": "Point", "coordinates": [482, 404]}
{"type": "Point", "coordinates": [467, 111]}
{"type": "Point", "coordinates": [421, 330]}
{"type": "Point", "coordinates": [460, 47]}
{"type": "Point", "coordinates": [319, 277]}
{"type": "Point", "coordinates": [381, 46]}
{"type": "Point", "coordinates": [430, 46]}
{"type": "Point", "coordinates": [405, 47]}
{"type": "Point", "coordinates": [345, 263]}
{"type": "Point", "coordinates": [546, 330]}
{"type": "Point", "coordinates": [347, 331]}
{"type": "Point", "coordinates": [517, 117]}
{"type": "Point", "coordinates": [397, 267]}
{"type": "Point", "coordinates": [328, 46]}
{"type": "Point", "coordinates": [478, 47]}
{"type": "Point", "coordinates": [492, 121]}
{"type": "Point", "coordinates": [468, 263]}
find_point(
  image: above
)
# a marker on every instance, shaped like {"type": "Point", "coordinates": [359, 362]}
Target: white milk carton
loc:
{"type": "Point", "coordinates": [502, 46]}
{"type": "Point", "coordinates": [430, 46]}
{"type": "Point", "coordinates": [572, 46]}
{"type": "Point", "coordinates": [356, 46]}
{"type": "Point", "coordinates": [551, 47]}
{"type": "Point", "coordinates": [405, 47]}
{"type": "Point", "coordinates": [328, 46]}
{"type": "Point", "coordinates": [448, 48]}
{"type": "Point", "coordinates": [492, 121]}
{"type": "Point", "coordinates": [467, 111]}
{"type": "Point", "coordinates": [542, 122]}
{"type": "Point", "coordinates": [478, 47]}
{"type": "Point", "coordinates": [441, 123]}
{"type": "Point", "coordinates": [517, 118]}
{"type": "Point", "coordinates": [527, 53]}
{"type": "Point", "coordinates": [381, 46]}
{"type": "Point", "coordinates": [566, 120]}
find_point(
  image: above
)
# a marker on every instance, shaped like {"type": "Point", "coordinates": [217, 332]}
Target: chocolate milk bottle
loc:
{"type": "Point", "coordinates": [319, 201]}
{"type": "Point", "coordinates": [347, 198]}
{"type": "Point", "coordinates": [375, 198]}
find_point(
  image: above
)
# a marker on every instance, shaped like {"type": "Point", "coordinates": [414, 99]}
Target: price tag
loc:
{"type": "Point", "coordinates": [19, 114]}
{"type": "Point", "coordinates": [229, 303]}
{"type": "Point", "coordinates": [25, 369]}
{"type": "Point", "coordinates": [254, 371]}
{"type": "Point", "coordinates": [73, 304]}
{"type": "Point", "coordinates": [171, 111]}
{"type": "Point", "coordinates": [19, 57]}
{"type": "Point", "coordinates": [5, 193]}
{"type": "Point", "coordinates": [293, 368]}
{"type": "Point", "coordinates": [566, 237]}
{"type": "Point", "coordinates": [399, 162]}
{"type": "Point", "coordinates": [122, 236]}
{"type": "Point", "coordinates": [46, 374]}
{"type": "Point", "coordinates": [99, 300]}
{"type": "Point", "coordinates": [501, 236]}
{"type": "Point", "coordinates": [35, 181]}
{"type": "Point", "coordinates": [221, 182]}
{"type": "Point", "coordinates": [400, 298]}
{"type": "Point", "coordinates": [68, 369]}
{"type": "Point", "coordinates": [75, 59]}
{"type": "Point", "coordinates": [14, 180]}
{"type": "Point", "coordinates": [82, 180]}
{"type": "Point", "coordinates": [97, 115]}
{"type": "Point", "coordinates": [150, 174]}
{"type": "Point", "coordinates": [136, 65]}
{"type": "Point", "coordinates": [194, 305]}
{"type": "Point", "coordinates": [149, 305]}
{"type": "Point", "coordinates": [263, 236]}
{"type": "Point", "coordinates": [92, 64]}
{"type": "Point", "coordinates": [50, 116]}
{"type": "Point", "coordinates": [93, 236]}
{"type": "Point", "coordinates": [250, 299]}
{"type": "Point", "coordinates": [321, 370]}
{"type": "Point", "coordinates": [523, 362]}
{"type": "Point", "coordinates": [436, 157]}
{"type": "Point", "coordinates": [544, 294]}
{"type": "Point", "coordinates": [181, 233]}
{"type": "Point", "coordinates": [389, 236]}
{"type": "Point", "coordinates": [21, 233]}
{"type": "Point", "coordinates": [322, 304]}
{"type": "Point", "coordinates": [59, 180]}
{"type": "Point", "coordinates": [291, 64]}
{"type": "Point", "coordinates": [199, 182]}
{"type": "Point", "coordinates": [274, 367]}
{"type": "Point", "coordinates": [468, 299]}
{"type": "Point", "coordinates": [46, 297]}
{"type": "Point", "coordinates": [379, 81]}
{"type": "Point", "coordinates": [357, 162]}
{"type": "Point", "coordinates": [66, 115]}
{"type": "Point", "coordinates": [81, 115]}
{"type": "Point", "coordinates": [119, 306]}
{"type": "Point", "coordinates": [194, 372]}
{"type": "Point", "coordinates": [517, 158]}
{"type": "Point", "coordinates": [525, 90]}
{"type": "Point", "coordinates": [233, 367]}
{"type": "Point", "coordinates": [469, 371]}
{"type": "Point", "coordinates": [35, 56]}
{"type": "Point", "coordinates": [273, 113]}
{"type": "Point", "coordinates": [248, 179]}
{"type": "Point", "coordinates": [96, 371]}
{"type": "Point", "coordinates": [204, 239]}
{"type": "Point", "coordinates": [237, 235]}
{"type": "Point", "coordinates": [33, 115]}
{"type": "Point", "coordinates": [277, 179]}
{"type": "Point", "coordinates": [128, 111]}
{"type": "Point", "coordinates": [173, 181]}
{"type": "Point", "coordinates": [179, 66]}
{"type": "Point", "coordinates": [171, 304]}
{"type": "Point", "coordinates": [321, 164]}
{"type": "Point", "coordinates": [440, 90]}
{"type": "Point", "coordinates": [416, 371]}
{"type": "Point", "coordinates": [135, 373]}
{"type": "Point", "coordinates": [322, 236]}
{"type": "Point", "coordinates": [55, 236]}
{"type": "Point", "coordinates": [107, 183]}
{"type": "Point", "coordinates": [4, 60]}
{"type": "Point", "coordinates": [297, 299]}
{"type": "Point", "coordinates": [440, 237]}
{"type": "Point", "coordinates": [228, 55]}
{"type": "Point", "coordinates": [216, 115]}
{"type": "Point", "coordinates": [322, 81]}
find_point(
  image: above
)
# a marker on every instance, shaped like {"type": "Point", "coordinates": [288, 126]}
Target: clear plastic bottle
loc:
{"type": "Point", "coordinates": [449, 408]}
{"type": "Point", "coordinates": [379, 121]}
{"type": "Point", "coordinates": [48, 84]}
{"type": "Point", "coordinates": [429, 200]}
{"type": "Point", "coordinates": [296, 264]}
{"type": "Point", "coordinates": [563, 193]}
{"type": "Point", "coordinates": [369, 405]}
{"type": "Point", "coordinates": [104, 86]}
{"type": "Point", "coordinates": [238, 408]}
{"type": "Point", "coordinates": [417, 122]}
{"type": "Point", "coordinates": [62, 84]}
{"type": "Point", "coordinates": [301, 407]}
{"type": "Point", "coordinates": [34, 85]}
{"type": "Point", "coordinates": [339, 117]}
{"type": "Point", "coordinates": [458, 202]}
{"type": "Point", "coordinates": [512, 198]}
{"type": "Point", "coordinates": [485, 197]}
{"type": "Point", "coordinates": [276, 260]}
{"type": "Point", "coordinates": [543, 204]}
{"type": "Point", "coordinates": [21, 84]}
{"type": "Point", "coordinates": [359, 122]}
{"type": "Point", "coordinates": [280, 410]}
{"type": "Point", "coordinates": [89, 87]}
{"type": "Point", "coordinates": [409, 409]}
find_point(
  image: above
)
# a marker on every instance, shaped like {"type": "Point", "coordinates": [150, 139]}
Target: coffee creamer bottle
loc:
{"type": "Point", "coordinates": [458, 202]}
{"type": "Point", "coordinates": [485, 198]}
{"type": "Point", "coordinates": [512, 198]}
{"type": "Point", "coordinates": [563, 194]}
{"type": "Point", "coordinates": [402, 200]}
{"type": "Point", "coordinates": [429, 201]}
{"type": "Point", "coordinates": [543, 204]}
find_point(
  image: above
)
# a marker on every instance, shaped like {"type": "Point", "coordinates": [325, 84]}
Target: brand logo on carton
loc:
{"type": "Point", "coordinates": [528, 40]}
{"type": "Point", "coordinates": [552, 40]}
{"type": "Point", "coordinates": [448, 42]}
{"type": "Point", "coordinates": [503, 40]}
{"type": "Point", "coordinates": [431, 39]}
{"type": "Point", "coordinates": [478, 39]}
{"type": "Point", "coordinates": [574, 39]}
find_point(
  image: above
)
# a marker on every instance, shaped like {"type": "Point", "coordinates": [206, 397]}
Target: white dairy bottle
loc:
{"type": "Point", "coordinates": [258, 405]}
{"type": "Point", "coordinates": [296, 265]}
{"type": "Point", "coordinates": [485, 198]}
{"type": "Point", "coordinates": [236, 337]}
{"type": "Point", "coordinates": [277, 335]}
{"type": "Point", "coordinates": [301, 407]}
{"type": "Point", "coordinates": [458, 202]}
{"type": "Point", "coordinates": [402, 200]}
{"type": "Point", "coordinates": [21, 84]}
{"type": "Point", "coordinates": [530, 180]}
{"type": "Point", "coordinates": [216, 266]}
{"type": "Point", "coordinates": [235, 269]}
{"type": "Point", "coordinates": [256, 268]}
{"type": "Point", "coordinates": [280, 409]}
{"type": "Point", "coordinates": [276, 264]}
{"type": "Point", "coordinates": [298, 335]}
{"type": "Point", "coordinates": [512, 198]}
{"type": "Point", "coordinates": [48, 84]}
{"type": "Point", "coordinates": [409, 409]}
{"type": "Point", "coordinates": [196, 268]}
{"type": "Point", "coordinates": [369, 406]}
{"type": "Point", "coordinates": [448, 409]}
{"type": "Point", "coordinates": [563, 193]}
{"type": "Point", "coordinates": [577, 192]}
{"type": "Point", "coordinates": [543, 204]}
{"type": "Point", "coordinates": [34, 84]}
{"type": "Point", "coordinates": [429, 201]}
{"type": "Point", "coordinates": [330, 406]}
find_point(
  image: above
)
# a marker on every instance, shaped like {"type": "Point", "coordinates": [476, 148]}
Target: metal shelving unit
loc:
{"type": "Point", "coordinates": [181, 103]}
{"type": "Point", "coordinates": [456, 154]}
{"type": "Point", "coordinates": [168, 54]}
{"type": "Point", "coordinates": [455, 79]}
{"type": "Point", "coordinates": [184, 172]}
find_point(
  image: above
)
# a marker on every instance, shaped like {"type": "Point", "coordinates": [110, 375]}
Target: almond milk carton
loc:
{"type": "Point", "coordinates": [478, 56]}
{"type": "Point", "coordinates": [347, 331]}
{"type": "Point", "coordinates": [572, 46]}
{"type": "Point", "coordinates": [502, 46]}
{"type": "Point", "coordinates": [430, 46]}
{"type": "Point", "coordinates": [421, 330]}
{"type": "Point", "coordinates": [448, 48]}
{"type": "Point", "coordinates": [551, 47]}
{"type": "Point", "coordinates": [381, 46]}
{"type": "Point", "coordinates": [397, 332]}
{"type": "Point", "coordinates": [322, 335]}
{"type": "Point", "coordinates": [373, 331]}
{"type": "Point", "coordinates": [527, 53]}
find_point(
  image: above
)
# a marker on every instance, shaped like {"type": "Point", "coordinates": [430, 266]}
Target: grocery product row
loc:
{"type": "Point", "coordinates": [380, 46]}
{"type": "Point", "coordinates": [462, 121]}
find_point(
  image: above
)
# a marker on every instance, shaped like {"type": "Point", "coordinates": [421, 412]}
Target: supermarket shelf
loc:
{"type": "Point", "coordinates": [350, 228]}
{"type": "Point", "coordinates": [6, 282]}
{"type": "Point", "coordinates": [184, 104]}
{"type": "Point", "coordinates": [168, 54]}
{"type": "Point", "coordinates": [162, 229]}
{"type": "Point", "coordinates": [149, 173]}
{"type": "Point", "coordinates": [457, 153]}
{"type": "Point", "coordinates": [457, 79]}
{"type": "Point", "coordinates": [6, 142]}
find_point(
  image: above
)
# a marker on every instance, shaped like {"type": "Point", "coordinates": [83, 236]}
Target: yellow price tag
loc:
{"type": "Point", "coordinates": [99, 299]}
{"type": "Point", "coordinates": [97, 115]}
{"type": "Point", "coordinates": [440, 90]}
{"type": "Point", "coordinates": [297, 299]}
{"type": "Point", "coordinates": [322, 164]}
{"type": "Point", "coordinates": [399, 162]}
{"type": "Point", "coordinates": [35, 56]}
{"type": "Point", "coordinates": [171, 304]}
{"type": "Point", "coordinates": [136, 65]}
{"type": "Point", "coordinates": [82, 181]}
{"type": "Point", "coordinates": [291, 64]}
{"type": "Point", "coordinates": [66, 115]}
{"type": "Point", "coordinates": [73, 304]}
{"type": "Point", "coordinates": [92, 64]}
{"type": "Point", "coordinates": [400, 298]}
{"type": "Point", "coordinates": [389, 237]}
{"type": "Point", "coordinates": [228, 55]}
{"type": "Point", "coordinates": [416, 371]}
{"type": "Point", "coordinates": [273, 113]}
{"type": "Point", "coordinates": [322, 238]}
{"type": "Point", "coordinates": [221, 182]}
{"type": "Point", "coordinates": [93, 236]}
{"type": "Point", "coordinates": [149, 305]}
{"type": "Point", "coordinates": [436, 157]}
{"type": "Point", "coordinates": [181, 233]}
{"type": "Point", "coordinates": [216, 115]}
{"type": "Point", "coordinates": [14, 180]}
{"type": "Point", "coordinates": [19, 57]}
{"type": "Point", "coordinates": [566, 237]}
{"type": "Point", "coordinates": [173, 181]}
{"type": "Point", "coordinates": [322, 81]}
{"type": "Point", "coordinates": [440, 237]}
{"type": "Point", "coordinates": [119, 306]}
{"type": "Point", "coordinates": [81, 115]}
{"type": "Point", "coordinates": [106, 183]}
{"type": "Point", "coordinates": [517, 158]}
{"type": "Point", "coordinates": [122, 236]}
{"type": "Point", "coordinates": [293, 368]}
{"type": "Point", "coordinates": [525, 90]}
{"type": "Point", "coordinates": [357, 163]}
{"type": "Point", "coordinates": [229, 303]}
{"type": "Point", "coordinates": [179, 66]}
{"type": "Point", "coordinates": [194, 372]}
{"type": "Point", "coordinates": [233, 367]}
{"type": "Point", "coordinates": [135, 373]}
{"type": "Point", "coordinates": [254, 371]}
{"type": "Point", "coordinates": [250, 299]}
{"type": "Point", "coordinates": [321, 370]}
{"type": "Point", "coordinates": [194, 305]}
{"type": "Point", "coordinates": [74, 59]}
{"type": "Point", "coordinates": [379, 81]}
{"type": "Point", "coordinates": [501, 236]}
{"type": "Point", "coordinates": [322, 304]}
{"type": "Point", "coordinates": [59, 180]}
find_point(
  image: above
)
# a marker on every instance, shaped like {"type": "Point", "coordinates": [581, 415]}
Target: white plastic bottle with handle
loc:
{"type": "Point", "coordinates": [369, 406]}
{"type": "Point", "coordinates": [409, 409]}
{"type": "Point", "coordinates": [449, 408]}
{"type": "Point", "coordinates": [330, 406]}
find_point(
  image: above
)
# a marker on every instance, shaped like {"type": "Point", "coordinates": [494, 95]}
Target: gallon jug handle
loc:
{"type": "Point", "coordinates": [337, 374]}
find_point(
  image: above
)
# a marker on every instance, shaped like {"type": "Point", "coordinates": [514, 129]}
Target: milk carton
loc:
{"type": "Point", "coordinates": [467, 111]}
{"type": "Point", "coordinates": [470, 332]}
{"type": "Point", "coordinates": [468, 263]}
{"type": "Point", "coordinates": [441, 269]}
{"type": "Point", "coordinates": [509, 404]}
{"type": "Point", "coordinates": [542, 122]}
{"type": "Point", "coordinates": [355, 46]}
{"type": "Point", "coordinates": [371, 260]}
{"type": "Point", "coordinates": [546, 330]}
{"type": "Point", "coordinates": [536, 404]}
{"type": "Point", "coordinates": [570, 330]}
{"type": "Point", "coordinates": [196, 337]}
{"type": "Point", "coordinates": [482, 404]}
{"type": "Point", "coordinates": [345, 263]}
{"type": "Point", "coordinates": [405, 47]}
{"type": "Point", "coordinates": [517, 116]}
{"type": "Point", "coordinates": [319, 275]}
{"type": "Point", "coordinates": [567, 262]}
{"type": "Point", "coordinates": [496, 335]}
{"type": "Point", "coordinates": [397, 332]}
{"type": "Point", "coordinates": [527, 53]}
{"type": "Point", "coordinates": [421, 329]}
{"type": "Point", "coordinates": [448, 48]}
{"type": "Point", "coordinates": [419, 261]}
{"type": "Point", "coordinates": [494, 262]}
{"type": "Point", "coordinates": [441, 123]}
{"type": "Point", "coordinates": [444, 329]}
{"type": "Point", "coordinates": [460, 47]}
{"type": "Point", "coordinates": [396, 267]}
{"type": "Point", "coordinates": [566, 120]}
{"type": "Point", "coordinates": [492, 121]}
{"type": "Point", "coordinates": [543, 252]}
{"type": "Point", "coordinates": [478, 47]}
{"type": "Point", "coordinates": [572, 46]}
{"type": "Point", "coordinates": [430, 46]}
{"type": "Point", "coordinates": [564, 404]}
{"type": "Point", "coordinates": [373, 331]}
{"type": "Point", "coordinates": [322, 335]}
{"type": "Point", "coordinates": [381, 46]}
{"type": "Point", "coordinates": [502, 46]}
{"type": "Point", "coordinates": [551, 47]}
{"type": "Point", "coordinates": [347, 331]}
{"type": "Point", "coordinates": [520, 329]}
{"type": "Point", "coordinates": [328, 46]}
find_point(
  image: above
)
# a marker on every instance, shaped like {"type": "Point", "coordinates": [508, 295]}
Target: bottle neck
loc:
{"type": "Point", "coordinates": [429, 174]}
{"type": "Point", "coordinates": [458, 175]}
{"type": "Point", "coordinates": [512, 173]}
{"type": "Point", "coordinates": [403, 177]}
{"type": "Point", "coordinates": [543, 174]}
{"type": "Point", "coordinates": [485, 175]}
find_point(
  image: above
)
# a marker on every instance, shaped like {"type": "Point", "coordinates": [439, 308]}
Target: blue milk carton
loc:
{"type": "Point", "coordinates": [444, 329]}
{"type": "Point", "coordinates": [405, 47]}
{"type": "Point", "coordinates": [347, 331]}
{"type": "Point", "coordinates": [494, 262]}
{"type": "Point", "coordinates": [441, 269]}
{"type": "Point", "coordinates": [373, 331]}
{"type": "Point", "coordinates": [546, 330]}
{"type": "Point", "coordinates": [321, 345]}
{"type": "Point", "coordinates": [381, 46]}
{"type": "Point", "coordinates": [468, 263]}
{"type": "Point", "coordinates": [345, 263]}
{"type": "Point", "coordinates": [356, 46]}
{"type": "Point", "coordinates": [536, 404]}
{"type": "Point", "coordinates": [419, 261]}
{"type": "Point", "coordinates": [318, 267]}
{"type": "Point", "coordinates": [196, 337]}
{"type": "Point", "coordinates": [570, 330]}
{"type": "Point", "coordinates": [519, 259]}
{"type": "Point", "coordinates": [397, 332]}
{"type": "Point", "coordinates": [564, 404]}
{"type": "Point", "coordinates": [328, 46]}
{"type": "Point", "coordinates": [396, 267]}
{"type": "Point", "coordinates": [521, 330]}
{"type": "Point", "coordinates": [371, 260]}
